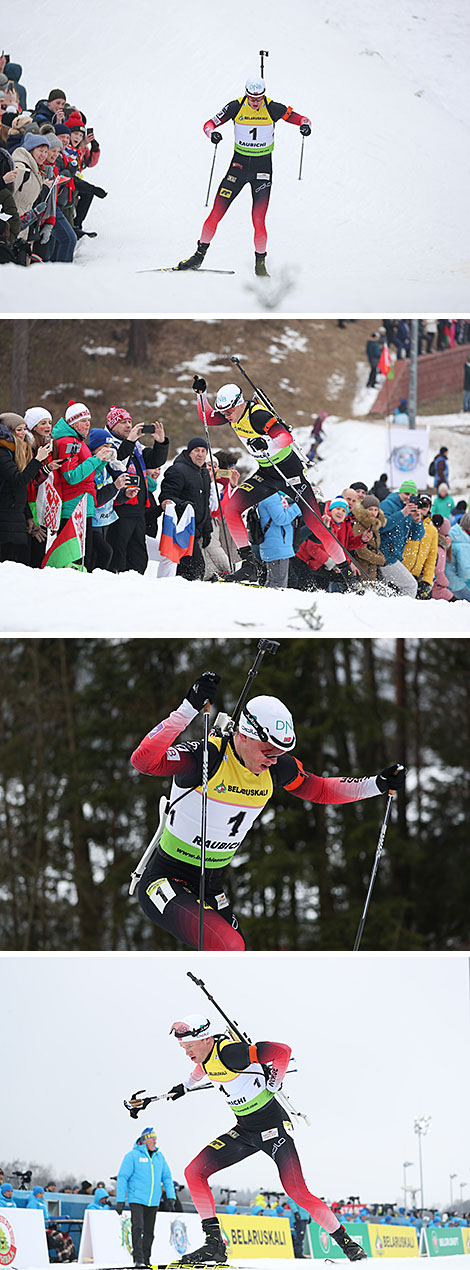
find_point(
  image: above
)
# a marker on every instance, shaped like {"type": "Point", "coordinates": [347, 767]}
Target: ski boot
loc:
{"type": "Point", "coordinates": [251, 570]}
{"type": "Point", "coordinates": [212, 1251]}
{"type": "Point", "coordinates": [352, 1250]}
{"type": "Point", "coordinates": [195, 261]}
{"type": "Point", "coordinates": [260, 265]}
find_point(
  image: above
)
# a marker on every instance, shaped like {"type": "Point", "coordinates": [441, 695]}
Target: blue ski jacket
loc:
{"type": "Point", "coordinates": [141, 1177]}
{"type": "Point", "coordinates": [276, 516]}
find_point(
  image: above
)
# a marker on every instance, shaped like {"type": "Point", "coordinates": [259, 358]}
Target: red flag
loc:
{"type": "Point", "coordinates": [385, 361]}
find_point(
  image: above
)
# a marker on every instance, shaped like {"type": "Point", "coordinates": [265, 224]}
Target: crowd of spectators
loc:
{"type": "Point", "coordinates": [414, 541]}
{"type": "Point", "coordinates": [131, 1179]}
{"type": "Point", "coordinates": [45, 154]}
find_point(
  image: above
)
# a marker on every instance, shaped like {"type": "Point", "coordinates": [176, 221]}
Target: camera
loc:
{"type": "Point", "coordinates": [149, 427]}
{"type": "Point", "coordinates": [132, 480]}
{"type": "Point", "coordinates": [414, 498]}
{"type": "Point", "coordinates": [25, 1178]}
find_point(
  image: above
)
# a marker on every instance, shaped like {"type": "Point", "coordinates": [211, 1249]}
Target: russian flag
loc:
{"type": "Point", "coordinates": [177, 536]}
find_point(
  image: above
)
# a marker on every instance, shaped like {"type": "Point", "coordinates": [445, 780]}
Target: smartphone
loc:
{"type": "Point", "coordinates": [150, 427]}
{"type": "Point", "coordinates": [133, 480]}
{"type": "Point", "coordinates": [88, 131]}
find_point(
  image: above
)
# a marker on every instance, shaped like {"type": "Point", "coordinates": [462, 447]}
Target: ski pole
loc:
{"type": "Point", "coordinates": [374, 870]}
{"type": "Point", "coordinates": [238, 1035]}
{"type": "Point", "coordinates": [205, 779]}
{"type": "Point", "coordinates": [264, 646]}
{"type": "Point", "coordinates": [301, 158]}
{"type": "Point", "coordinates": [144, 1102]}
{"type": "Point", "coordinates": [148, 853]}
{"type": "Point", "coordinates": [206, 204]}
{"type": "Point", "coordinates": [263, 53]}
{"type": "Point", "coordinates": [226, 725]}
{"type": "Point", "coordinates": [221, 514]}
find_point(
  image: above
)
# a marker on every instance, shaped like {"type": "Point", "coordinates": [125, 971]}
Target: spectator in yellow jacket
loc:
{"type": "Point", "coordinates": [420, 555]}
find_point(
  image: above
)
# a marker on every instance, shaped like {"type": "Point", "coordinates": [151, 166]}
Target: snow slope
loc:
{"type": "Point", "coordinates": [376, 223]}
{"type": "Point", "coordinates": [64, 601]}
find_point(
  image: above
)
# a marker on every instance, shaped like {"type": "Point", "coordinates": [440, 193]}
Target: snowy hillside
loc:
{"type": "Point", "coordinates": [54, 601]}
{"type": "Point", "coordinates": [376, 223]}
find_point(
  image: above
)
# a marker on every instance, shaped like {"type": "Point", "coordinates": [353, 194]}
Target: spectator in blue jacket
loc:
{"type": "Point", "coordinates": [458, 566]}
{"type": "Point", "coordinates": [6, 1196]}
{"type": "Point", "coordinates": [100, 1199]}
{"type": "Point", "coordinates": [277, 514]}
{"type": "Point", "coordinates": [403, 522]}
{"type": "Point", "coordinates": [141, 1175]}
{"type": "Point", "coordinates": [36, 1200]}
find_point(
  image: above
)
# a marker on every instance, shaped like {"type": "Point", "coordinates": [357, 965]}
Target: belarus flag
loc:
{"type": "Point", "coordinates": [69, 545]}
{"type": "Point", "coordinates": [177, 537]}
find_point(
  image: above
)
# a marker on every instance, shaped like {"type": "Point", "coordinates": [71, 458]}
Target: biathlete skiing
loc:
{"type": "Point", "coordinates": [269, 441]}
{"type": "Point", "coordinates": [250, 1076]}
{"type": "Point", "coordinates": [254, 117]}
{"type": "Point", "coordinates": [246, 762]}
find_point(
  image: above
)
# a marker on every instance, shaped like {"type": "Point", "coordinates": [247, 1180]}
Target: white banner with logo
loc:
{"type": "Point", "coordinates": [407, 455]}
{"type": "Point", "coordinates": [23, 1238]}
{"type": "Point", "coordinates": [107, 1238]}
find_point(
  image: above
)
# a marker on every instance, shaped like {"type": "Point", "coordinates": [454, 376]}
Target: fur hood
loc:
{"type": "Point", "coordinates": [365, 520]}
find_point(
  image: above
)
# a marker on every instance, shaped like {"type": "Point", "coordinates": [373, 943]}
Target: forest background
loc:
{"type": "Point", "coordinates": [75, 817]}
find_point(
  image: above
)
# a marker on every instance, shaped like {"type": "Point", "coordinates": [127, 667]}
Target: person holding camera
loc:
{"type": "Point", "coordinates": [142, 1174]}
{"type": "Point", "coordinates": [126, 535]}
{"type": "Point", "coordinates": [420, 556]}
{"type": "Point", "coordinates": [403, 523]}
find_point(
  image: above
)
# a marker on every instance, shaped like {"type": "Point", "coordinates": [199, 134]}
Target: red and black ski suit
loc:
{"type": "Point", "coordinates": [267, 1128]}
{"type": "Point", "coordinates": [266, 438]}
{"type": "Point", "coordinates": [169, 887]}
{"type": "Point", "coordinates": [246, 169]}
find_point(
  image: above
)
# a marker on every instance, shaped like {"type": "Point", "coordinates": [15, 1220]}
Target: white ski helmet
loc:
{"type": "Point", "coordinates": [255, 86]}
{"type": "Point", "coordinates": [192, 1027]}
{"type": "Point", "coordinates": [267, 719]}
{"type": "Point", "coordinates": [228, 396]}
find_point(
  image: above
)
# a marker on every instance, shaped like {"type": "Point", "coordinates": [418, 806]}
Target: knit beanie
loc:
{"type": "Point", "coordinates": [370, 501]}
{"type": "Point", "coordinates": [195, 442]}
{"type": "Point", "coordinates": [408, 487]}
{"type": "Point", "coordinates": [76, 411]}
{"type": "Point", "coordinates": [57, 92]}
{"type": "Point", "coordinates": [339, 502]}
{"type": "Point", "coordinates": [117, 414]}
{"type": "Point", "coordinates": [11, 420]}
{"type": "Point", "coordinates": [36, 415]}
{"type": "Point", "coordinates": [32, 141]}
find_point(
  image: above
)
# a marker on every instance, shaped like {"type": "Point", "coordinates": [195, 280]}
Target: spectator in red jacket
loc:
{"type": "Point", "coordinates": [313, 554]}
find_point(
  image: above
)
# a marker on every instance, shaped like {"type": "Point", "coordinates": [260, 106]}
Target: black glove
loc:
{"type": "Point", "coordinates": [424, 590]}
{"type": "Point", "coordinates": [170, 1205]}
{"type": "Point", "coordinates": [258, 444]}
{"type": "Point", "coordinates": [204, 689]}
{"type": "Point", "coordinates": [120, 1206]}
{"type": "Point", "coordinates": [199, 384]}
{"type": "Point", "coordinates": [392, 777]}
{"type": "Point", "coordinates": [216, 137]}
{"type": "Point", "coordinates": [178, 1090]}
{"type": "Point", "coordinates": [305, 129]}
